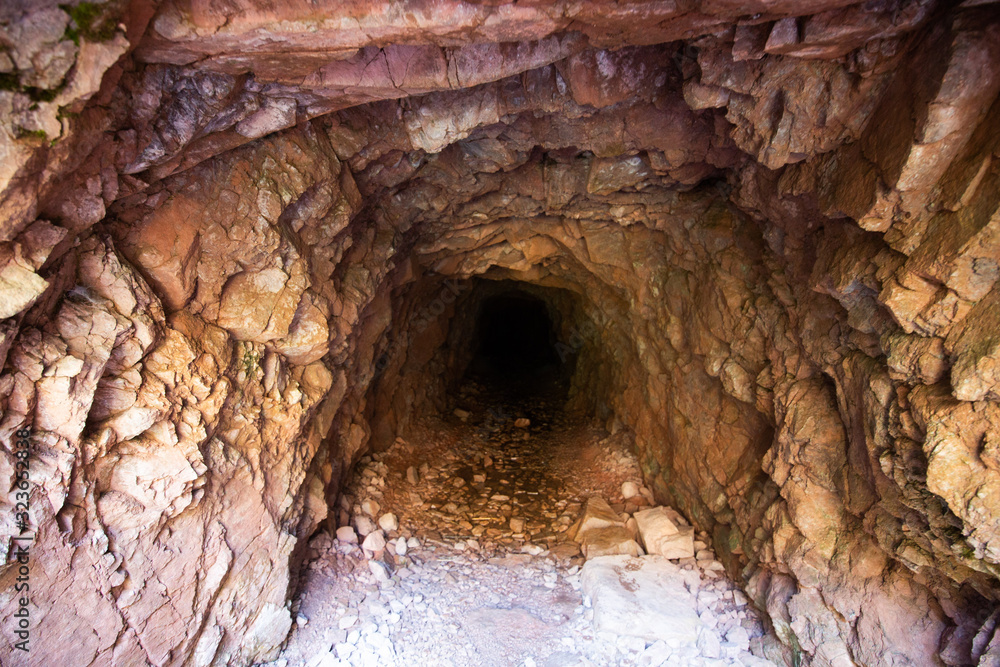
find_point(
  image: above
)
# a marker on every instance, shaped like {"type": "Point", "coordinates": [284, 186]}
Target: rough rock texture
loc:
{"type": "Point", "coordinates": [663, 537]}
{"type": "Point", "coordinates": [641, 597]}
{"type": "Point", "coordinates": [240, 245]}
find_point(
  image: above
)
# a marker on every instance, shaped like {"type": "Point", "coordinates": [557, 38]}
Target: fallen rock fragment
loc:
{"type": "Point", "coordinates": [597, 514]}
{"type": "Point", "coordinates": [660, 535]}
{"type": "Point", "coordinates": [400, 546]}
{"type": "Point", "coordinates": [374, 543]}
{"type": "Point", "coordinates": [609, 541]}
{"type": "Point", "coordinates": [641, 597]}
{"type": "Point", "coordinates": [347, 535]}
{"type": "Point", "coordinates": [388, 522]}
{"type": "Point", "coordinates": [364, 525]}
{"type": "Point", "coordinates": [371, 508]}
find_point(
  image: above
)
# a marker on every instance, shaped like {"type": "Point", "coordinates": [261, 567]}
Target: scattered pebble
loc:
{"type": "Point", "coordinates": [482, 566]}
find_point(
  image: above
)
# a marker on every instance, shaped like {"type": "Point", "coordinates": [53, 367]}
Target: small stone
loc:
{"type": "Point", "coordinates": [400, 546]}
{"type": "Point", "coordinates": [523, 422]}
{"type": "Point", "coordinates": [347, 535]}
{"type": "Point", "coordinates": [709, 644]}
{"type": "Point", "coordinates": [412, 476]}
{"type": "Point", "coordinates": [379, 571]}
{"type": "Point", "coordinates": [630, 490]}
{"type": "Point", "coordinates": [388, 522]}
{"type": "Point", "coordinates": [371, 508]}
{"type": "Point", "coordinates": [374, 543]}
{"type": "Point", "coordinates": [729, 651]}
{"type": "Point", "coordinates": [656, 654]}
{"type": "Point", "coordinates": [712, 565]}
{"type": "Point", "coordinates": [461, 414]}
{"type": "Point", "coordinates": [633, 527]}
{"type": "Point", "coordinates": [739, 636]}
{"type": "Point", "coordinates": [517, 525]}
{"type": "Point", "coordinates": [364, 525]}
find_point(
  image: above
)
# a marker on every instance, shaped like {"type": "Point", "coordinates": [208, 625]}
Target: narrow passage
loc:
{"type": "Point", "coordinates": [456, 548]}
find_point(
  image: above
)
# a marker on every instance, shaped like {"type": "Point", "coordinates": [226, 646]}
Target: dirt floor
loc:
{"type": "Point", "coordinates": [467, 559]}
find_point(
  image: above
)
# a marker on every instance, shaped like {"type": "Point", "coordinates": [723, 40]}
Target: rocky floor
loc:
{"type": "Point", "coordinates": [459, 553]}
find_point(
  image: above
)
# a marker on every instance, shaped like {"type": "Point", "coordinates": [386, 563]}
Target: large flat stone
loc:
{"type": "Point", "coordinates": [641, 597]}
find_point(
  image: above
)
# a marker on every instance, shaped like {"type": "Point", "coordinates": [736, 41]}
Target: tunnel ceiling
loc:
{"type": "Point", "coordinates": [240, 244]}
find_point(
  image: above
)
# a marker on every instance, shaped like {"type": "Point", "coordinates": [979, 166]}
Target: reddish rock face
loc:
{"type": "Point", "coordinates": [241, 242]}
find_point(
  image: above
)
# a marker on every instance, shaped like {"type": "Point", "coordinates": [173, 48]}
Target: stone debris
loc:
{"type": "Point", "coordinates": [371, 508]}
{"type": "Point", "coordinates": [608, 541]}
{"type": "Point", "coordinates": [659, 535]}
{"type": "Point", "coordinates": [493, 571]}
{"type": "Point", "coordinates": [346, 534]}
{"type": "Point", "coordinates": [597, 513]}
{"type": "Point", "coordinates": [364, 525]}
{"type": "Point", "coordinates": [374, 543]}
{"type": "Point", "coordinates": [660, 530]}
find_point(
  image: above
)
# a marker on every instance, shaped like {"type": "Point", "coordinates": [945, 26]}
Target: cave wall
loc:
{"type": "Point", "coordinates": [221, 263]}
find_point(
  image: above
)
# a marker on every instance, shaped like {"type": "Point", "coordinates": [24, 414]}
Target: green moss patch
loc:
{"type": "Point", "coordinates": [94, 22]}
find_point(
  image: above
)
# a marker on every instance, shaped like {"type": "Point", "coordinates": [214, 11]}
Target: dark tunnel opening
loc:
{"type": "Point", "coordinates": [515, 349]}
{"type": "Point", "coordinates": [515, 335]}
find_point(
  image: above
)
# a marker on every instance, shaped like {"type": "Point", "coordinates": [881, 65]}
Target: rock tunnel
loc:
{"type": "Point", "coordinates": [248, 246]}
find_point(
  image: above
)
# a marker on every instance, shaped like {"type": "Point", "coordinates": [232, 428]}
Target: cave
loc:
{"type": "Point", "coordinates": [313, 315]}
